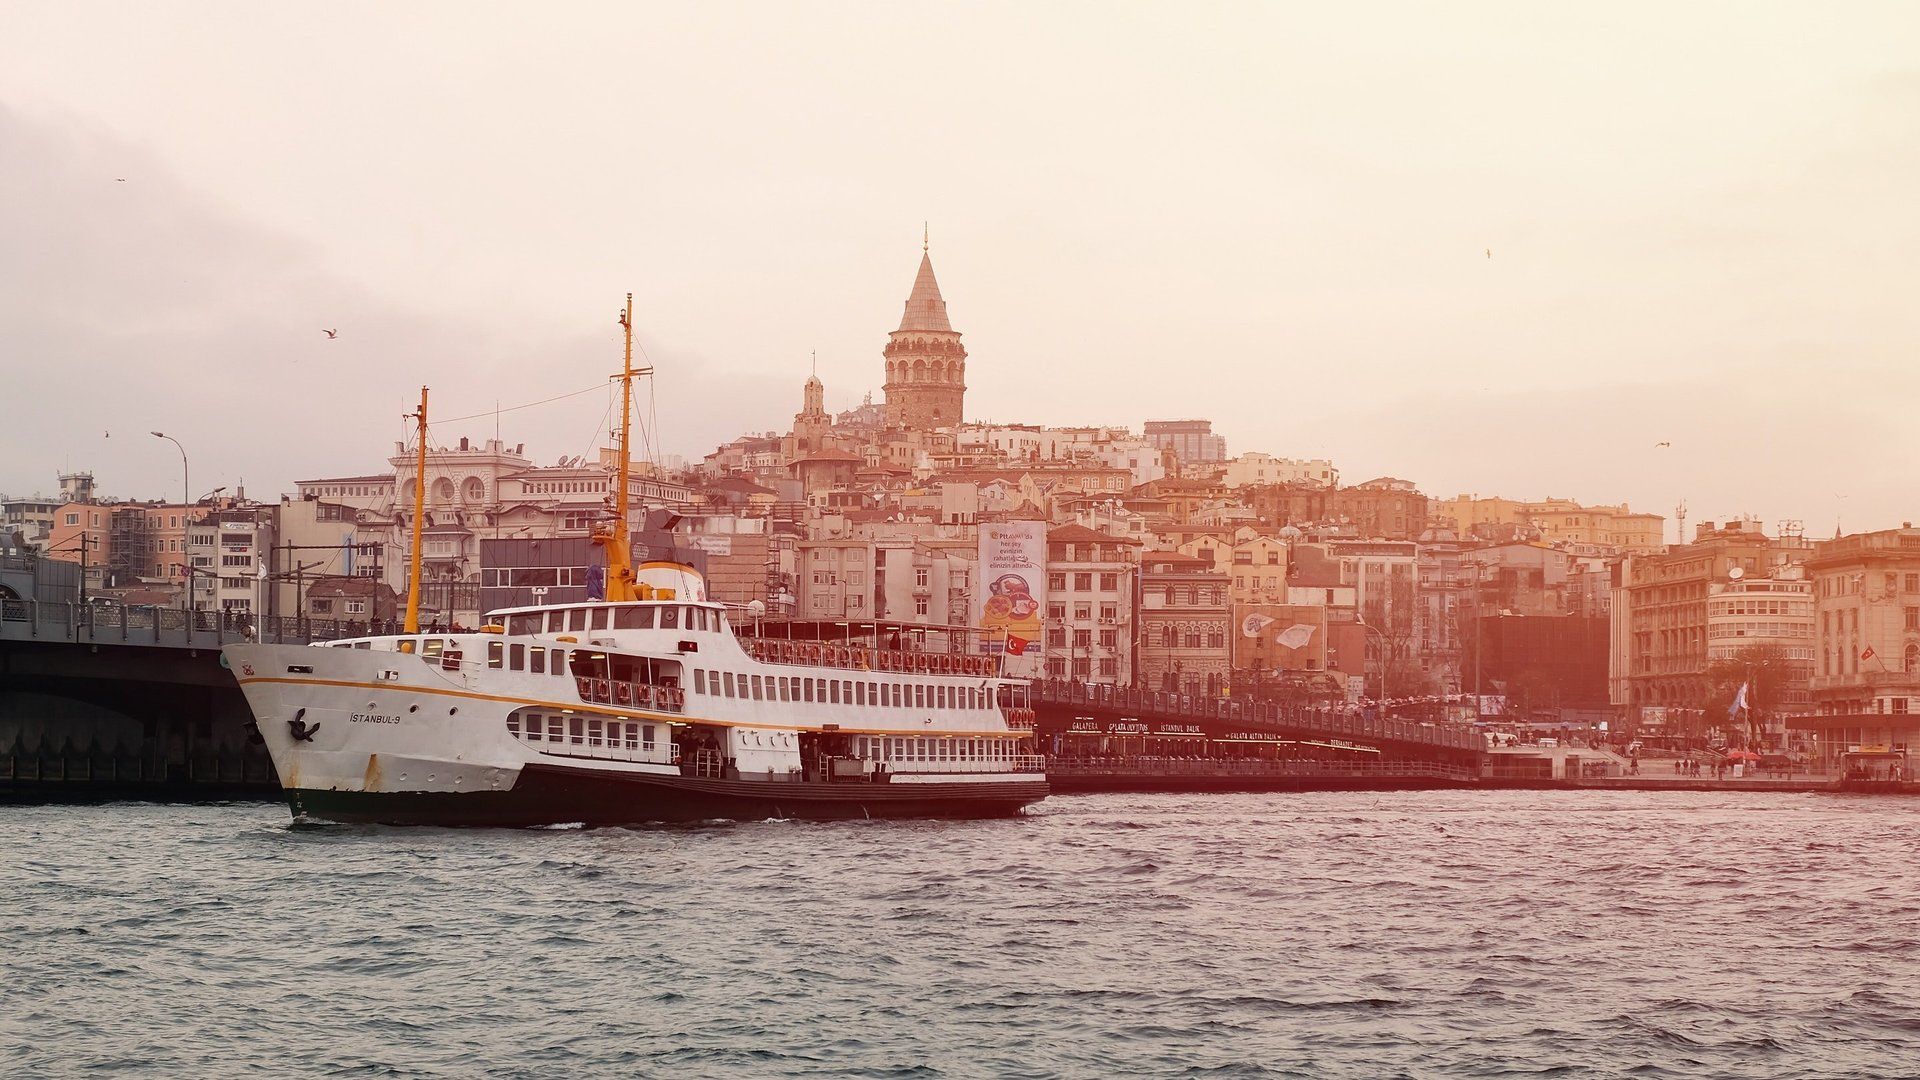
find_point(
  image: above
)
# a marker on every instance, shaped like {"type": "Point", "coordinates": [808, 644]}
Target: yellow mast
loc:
{"type": "Point", "coordinates": [419, 511]}
{"type": "Point", "coordinates": [614, 538]}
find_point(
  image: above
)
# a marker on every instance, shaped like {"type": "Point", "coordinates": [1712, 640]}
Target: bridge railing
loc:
{"type": "Point", "coordinates": [100, 624]}
{"type": "Point", "coordinates": [1332, 722]}
{"type": "Point", "coordinates": [1149, 765]}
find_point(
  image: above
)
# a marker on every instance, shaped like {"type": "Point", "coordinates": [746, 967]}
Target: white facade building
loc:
{"type": "Point", "coordinates": [1256, 468]}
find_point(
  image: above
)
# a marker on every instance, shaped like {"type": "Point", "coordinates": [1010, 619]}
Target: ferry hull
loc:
{"type": "Point", "coordinates": [550, 795]}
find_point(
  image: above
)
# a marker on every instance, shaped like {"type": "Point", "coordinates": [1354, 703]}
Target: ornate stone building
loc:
{"type": "Point", "coordinates": [811, 424]}
{"type": "Point", "coordinates": [926, 365]}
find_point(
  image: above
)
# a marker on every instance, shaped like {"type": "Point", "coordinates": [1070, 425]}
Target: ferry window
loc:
{"type": "Point", "coordinates": [919, 695]}
{"type": "Point", "coordinates": [833, 691]}
{"type": "Point", "coordinates": [577, 620]}
{"type": "Point", "coordinates": [431, 646]}
{"type": "Point", "coordinates": [756, 688]}
{"type": "Point", "coordinates": [517, 657]}
{"type": "Point", "coordinates": [669, 618]}
{"type": "Point", "coordinates": [557, 662]}
{"type": "Point", "coordinates": [593, 733]}
{"type": "Point", "coordinates": [556, 621]}
{"type": "Point", "coordinates": [699, 680]}
{"type": "Point", "coordinates": [806, 689]}
{"type": "Point", "coordinates": [726, 680]}
{"type": "Point", "coordinates": [496, 652]}
{"type": "Point", "coordinates": [646, 737]}
{"type": "Point", "coordinates": [601, 617]}
{"type": "Point", "coordinates": [633, 618]}
{"type": "Point", "coordinates": [513, 725]}
{"type": "Point", "coordinates": [556, 729]}
{"type": "Point", "coordinates": [696, 618]}
{"type": "Point", "coordinates": [578, 727]}
{"type": "Point", "coordinates": [633, 736]}
{"type": "Point", "coordinates": [537, 659]}
{"type": "Point", "coordinates": [860, 693]}
{"type": "Point", "coordinates": [846, 691]}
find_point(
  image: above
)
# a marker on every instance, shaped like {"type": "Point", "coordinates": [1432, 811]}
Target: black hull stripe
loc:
{"type": "Point", "coordinates": [544, 795]}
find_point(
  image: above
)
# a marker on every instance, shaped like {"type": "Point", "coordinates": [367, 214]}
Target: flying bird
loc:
{"type": "Point", "coordinates": [119, 179]}
{"type": "Point", "coordinates": [1658, 445]}
{"type": "Point", "coordinates": [331, 334]}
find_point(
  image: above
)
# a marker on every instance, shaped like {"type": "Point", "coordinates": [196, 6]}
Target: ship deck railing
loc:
{"type": "Point", "coordinates": [623, 694]}
{"type": "Point", "coordinates": [862, 658]}
{"type": "Point", "coordinates": [1018, 763]}
{"type": "Point", "coordinates": [591, 747]}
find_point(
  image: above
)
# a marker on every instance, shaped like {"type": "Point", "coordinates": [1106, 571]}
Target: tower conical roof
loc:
{"type": "Point", "coordinates": [926, 310]}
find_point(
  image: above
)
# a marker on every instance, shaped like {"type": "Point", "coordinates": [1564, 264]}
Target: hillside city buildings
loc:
{"type": "Point", "coordinates": [1170, 563]}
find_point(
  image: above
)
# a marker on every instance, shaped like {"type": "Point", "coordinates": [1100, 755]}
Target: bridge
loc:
{"type": "Point", "coordinates": [110, 701]}
{"type": "Point", "coordinates": [1108, 738]}
{"type": "Point", "coordinates": [106, 701]}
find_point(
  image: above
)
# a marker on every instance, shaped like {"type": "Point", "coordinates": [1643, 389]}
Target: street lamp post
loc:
{"type": "Point", "coordinates": [186, 509]}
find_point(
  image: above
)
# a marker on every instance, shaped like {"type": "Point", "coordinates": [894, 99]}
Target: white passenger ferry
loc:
{"type": "Point", "coordinates": [651, 705]}
{"type": "Point", "coordinates": [653, 710]}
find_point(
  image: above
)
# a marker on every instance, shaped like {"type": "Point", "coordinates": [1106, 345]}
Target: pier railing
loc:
{"type": "Point", "coordinates": [1330, 722]}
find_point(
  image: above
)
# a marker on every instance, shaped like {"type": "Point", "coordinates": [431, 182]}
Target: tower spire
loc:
{"type": "Point", "coordinates": [926, 237]}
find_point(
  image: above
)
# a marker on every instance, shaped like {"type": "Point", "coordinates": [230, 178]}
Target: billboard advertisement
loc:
{"type": "Point", "coordinates": [1280, 637]}
{"type": "Point", "coordinates": [1010, 591]}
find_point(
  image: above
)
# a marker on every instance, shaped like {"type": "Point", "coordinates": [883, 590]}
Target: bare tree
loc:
{"type": "Point", "coordinates": [1766, 671]}
{"type": "Point", "coordinates": [1393, 620]}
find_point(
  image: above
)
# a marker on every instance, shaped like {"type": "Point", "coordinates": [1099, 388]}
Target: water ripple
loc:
{"type": "Point", "coordinates": [1526, 934]}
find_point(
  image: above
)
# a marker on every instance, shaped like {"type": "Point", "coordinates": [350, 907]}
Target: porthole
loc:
{"type": "Point", "coordinates": [453, 711]}
{"type": "Point", "coordinates": [413, 708]}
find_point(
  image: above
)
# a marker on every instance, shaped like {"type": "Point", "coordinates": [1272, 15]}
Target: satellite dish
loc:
{"type": "Point", "coordinates": [1736, 573]}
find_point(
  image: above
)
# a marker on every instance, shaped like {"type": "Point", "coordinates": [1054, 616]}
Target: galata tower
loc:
{"type": "Point", "coordinates": [926, 366]}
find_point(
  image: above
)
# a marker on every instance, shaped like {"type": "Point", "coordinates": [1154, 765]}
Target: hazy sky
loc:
{"type": "Point", "coordinates": [1702, 220]}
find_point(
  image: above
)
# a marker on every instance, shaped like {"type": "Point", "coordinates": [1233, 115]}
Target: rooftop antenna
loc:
{"type": "Point", "coordinates": [1680, 519]}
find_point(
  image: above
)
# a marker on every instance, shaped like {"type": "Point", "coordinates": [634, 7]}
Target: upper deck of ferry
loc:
{"type": "Point", "coordinates": [872, 645]}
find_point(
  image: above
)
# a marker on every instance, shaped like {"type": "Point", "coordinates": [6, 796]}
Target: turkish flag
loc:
{"type": "Point", "coordinates": [1016, 646]}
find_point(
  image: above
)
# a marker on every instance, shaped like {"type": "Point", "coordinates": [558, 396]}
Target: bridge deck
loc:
{"type": "Point", "coordinates": [1073, 698]}
{"type": "Point", "coordinates": [91, 624]}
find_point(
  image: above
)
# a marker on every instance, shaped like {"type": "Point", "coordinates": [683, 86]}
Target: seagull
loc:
{"type": "Point", "coordinates": [331, 334]}
{"type": "Point", "coordinates": [106, 434]}
{"type": "Point", "coordinates": [1658, 445]}
{"type": "Point", "coordinates": [119, 179]}
{"type": "Point", "coordinates": [1489, 253]}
